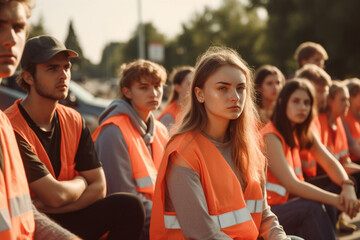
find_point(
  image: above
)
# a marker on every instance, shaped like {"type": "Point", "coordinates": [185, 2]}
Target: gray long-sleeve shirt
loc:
{"type": "Point", "coordinates": [185, 195]}
{"type": "Point", "coordinates": [113, 153]}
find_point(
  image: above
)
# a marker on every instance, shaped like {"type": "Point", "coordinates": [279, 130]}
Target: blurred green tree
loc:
{"type": "Point", "coordinates": [111, 59]}
{"type": "Point", "coordinates": [333, 24]}
{"type": "Point", "coordinates": [231, 25]}
{"type": "Point", "coordinates": [78, 64]}
{"type": "Point", "coordinates": [37, 28]}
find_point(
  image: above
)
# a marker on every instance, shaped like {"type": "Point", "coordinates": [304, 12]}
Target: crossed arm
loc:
{"type": "Point", "coordinates": [55, 196]}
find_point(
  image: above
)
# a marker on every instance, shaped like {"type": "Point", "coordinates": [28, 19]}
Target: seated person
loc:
{"type": "Point", "coordinates": [285, 135]}
{"type": "Point", "coordinates": [129, 140]}
{"type": "Point", "coordinates": [64, 174]}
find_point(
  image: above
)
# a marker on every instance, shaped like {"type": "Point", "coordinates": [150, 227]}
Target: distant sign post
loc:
{"type": "Point", "coordinates": [156, 52]}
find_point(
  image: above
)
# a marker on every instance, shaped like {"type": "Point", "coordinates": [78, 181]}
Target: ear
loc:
{"type": "Point", "coordinates": [177, 87]}
{"type": "Point", "coordinates": [127, 92]}
{"type": "Point", "coordinates": [28, 78]}
{"type": "Point", "coordinates": [199, 93]}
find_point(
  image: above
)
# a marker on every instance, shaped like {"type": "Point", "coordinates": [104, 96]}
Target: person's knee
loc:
{"type": "Point", "coordinates": [315, 207]}
{"type": "Point", "coordinates": [127, 202]}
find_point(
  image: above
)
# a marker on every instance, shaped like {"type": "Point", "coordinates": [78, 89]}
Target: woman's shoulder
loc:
{"type": "Point", "coordinates": [268, 128]}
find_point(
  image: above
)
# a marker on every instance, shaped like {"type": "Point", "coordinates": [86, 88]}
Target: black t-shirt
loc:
{"type": "Point", "coordinates": [85, 159]}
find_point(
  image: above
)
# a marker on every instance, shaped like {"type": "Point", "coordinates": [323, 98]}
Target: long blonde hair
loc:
{"type": "Point", "coordinates": [243, 131]}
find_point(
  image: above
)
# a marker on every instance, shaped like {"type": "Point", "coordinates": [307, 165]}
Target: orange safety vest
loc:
{"type": "Point", "coordinates": [16, 215]}
{"type": "Point", "coordinates": [276, 193]}
{"type": "Point", "coordinates": [238, 214]}
{"type": "Point", "coordinates": [308, 162]}
{"type": "Point", "coordinates": [71, 127]}
{"type": "Point", "coordinates": [144, 166]}
{"type": "Point", "coordinates": [173, 109]}
{"type": "Point", "coordinates": [339, 148]}
{"type": "Point", "coordinates": [354, 126]}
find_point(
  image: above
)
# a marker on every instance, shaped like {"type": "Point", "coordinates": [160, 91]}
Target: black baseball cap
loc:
{"type": "Point", "coordinates": [41, 49]}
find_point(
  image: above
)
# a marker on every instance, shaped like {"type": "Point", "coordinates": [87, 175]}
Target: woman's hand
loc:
{"type": "Point", "coordinates": [347, 199]}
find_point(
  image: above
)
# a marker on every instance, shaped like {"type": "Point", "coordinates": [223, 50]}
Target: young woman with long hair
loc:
{"type": "Point", "coordinates": [286, 134]}
{"type": "Point", "coordinates": [180, 80]}
{"type": "Point", "coordinates": [268, 83]}
{"type": "Point", "coordinates": [210, 183]}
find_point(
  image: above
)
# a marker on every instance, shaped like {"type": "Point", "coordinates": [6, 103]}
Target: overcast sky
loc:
{"type": "Point", "coordinates": [98, 22]}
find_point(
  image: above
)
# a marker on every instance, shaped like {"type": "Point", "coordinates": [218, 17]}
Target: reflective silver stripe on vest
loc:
{"type": "Point", "coordinates": [5, 221]}
{"type": "Point", "coordinates": [340, 155]}
{"type": "Point", "coordinates": [223, 220]}
{"type": "Point", "coordinates": [254, 206]}
{"type": "Point", "coordinates": [145, 181]}
{"type": "Point", "coordinates": [298, 170]}
{"type": "Point", "coordinates": [20, 205]}
{"type": "Point", "coordinates": [276, 188]}
{"type": "Point", "coordinates": [343, 153]}
{"type": "Point", "coordinates": [308, 164]}
{"type": "Point", "coordinates": [171, 222]}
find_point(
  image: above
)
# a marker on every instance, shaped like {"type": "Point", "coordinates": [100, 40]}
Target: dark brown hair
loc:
{"type": "Point", "coordinates": [308, 49]}
{"type": "Point", "coordinates": [282, 122]}
{"type": "Point", "coordinates": [260, 75]}
{"type": "Point", "coordinates": [177, 76]}
{"type": "Point", "coordinates": [314, 74]}
{"type": "Point", "coordinates": [353, 84]}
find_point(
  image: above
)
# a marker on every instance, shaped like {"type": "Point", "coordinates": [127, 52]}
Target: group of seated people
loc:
{"type": "Point", "coordinates": [239, 158]}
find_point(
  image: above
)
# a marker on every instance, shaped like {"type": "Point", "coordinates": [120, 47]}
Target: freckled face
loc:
{"type": "Point", "coordinates": [223, 94]}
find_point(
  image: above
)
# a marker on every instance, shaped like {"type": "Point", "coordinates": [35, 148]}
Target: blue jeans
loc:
{"type": "Point", "coordinates": [305, 218]}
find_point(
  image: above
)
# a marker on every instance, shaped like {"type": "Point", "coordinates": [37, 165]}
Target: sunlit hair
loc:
{"type": "Point", "coordinates": [314, 74]}
{"type": "Point", "coordinates": [243, 131]}
{"type": "Point", "coordinates": [177, 76]}
{"type": "Point", "coordinates": [140, 70]}
{"type": "Point", "coordinates": [337, 86]}
{"type": "Point", "coordinates": [28, 4]}
{"type": "Point", "coordinates": [353, 84]}
{"type": "Point", "coordinates": [283, 123]}
{"type": "Point", "coordinates": [260, 75]}
{"type": "Point", "coordinates": [308, 49]}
